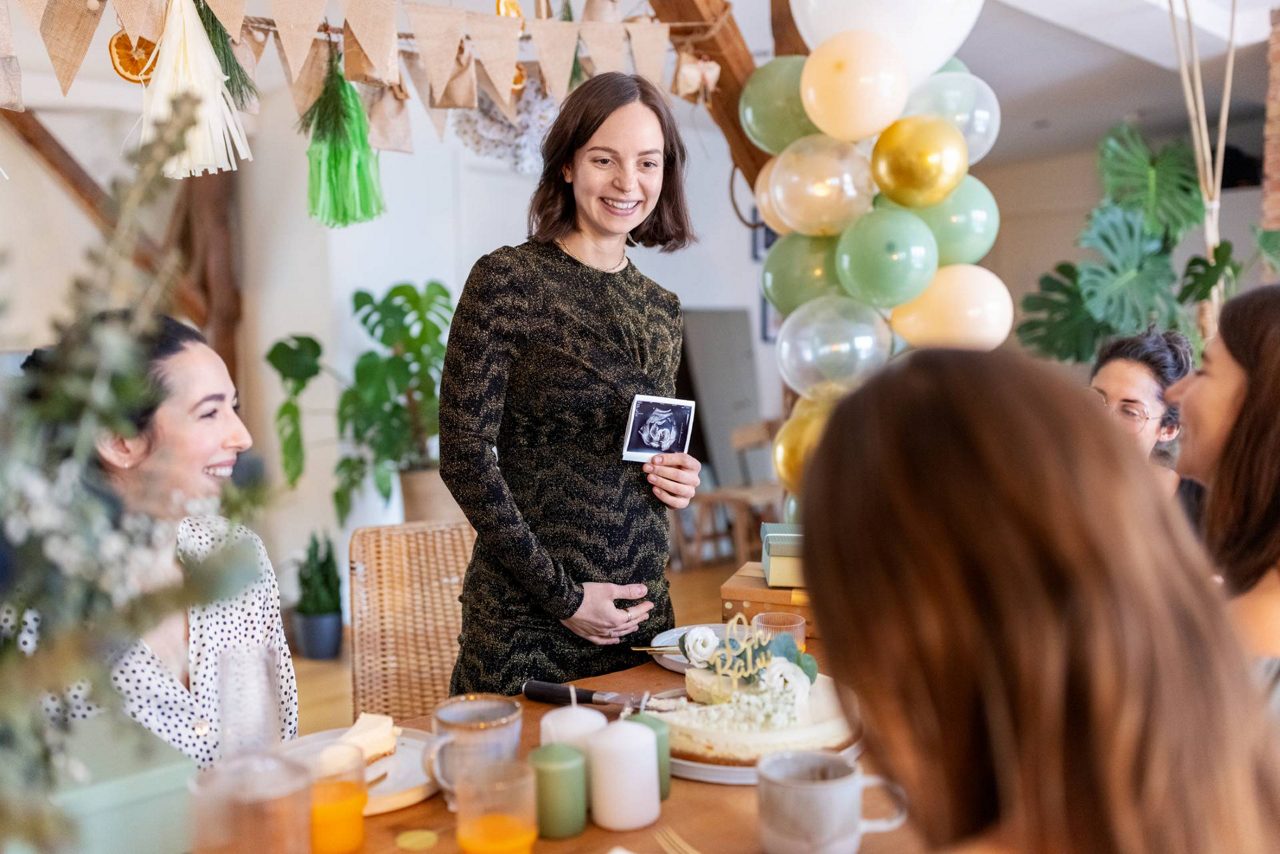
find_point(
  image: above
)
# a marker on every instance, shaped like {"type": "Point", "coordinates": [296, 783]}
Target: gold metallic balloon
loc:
{"type": "Point", "coordinates": [764, 200]}
{"type": "Point", "coordinates": [919, 160]}
{"type": "Point", "coordinates": [795, 443]}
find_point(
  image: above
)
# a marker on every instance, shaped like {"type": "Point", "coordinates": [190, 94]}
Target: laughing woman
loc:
{"type": "Point", "coordinates": [551, 342]}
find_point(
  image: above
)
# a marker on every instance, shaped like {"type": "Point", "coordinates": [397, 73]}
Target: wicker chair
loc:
{"type": "Point", "coordinates": [405, 614]}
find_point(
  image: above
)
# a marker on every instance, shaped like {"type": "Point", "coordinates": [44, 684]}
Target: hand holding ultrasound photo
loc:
{"type": "Point", "coordinates": [657, 425]}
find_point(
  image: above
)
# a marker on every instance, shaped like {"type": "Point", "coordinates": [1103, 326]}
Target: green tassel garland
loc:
{"type": "Point", "coordinates": [239, 83]}
{"type": "Point", "coordinates": [343, 184]}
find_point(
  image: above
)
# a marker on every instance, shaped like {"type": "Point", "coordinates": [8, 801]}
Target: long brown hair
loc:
{"type": "Point", "coordinates": [1032, 634]}
{"type": "Point", "coordinates": [552, 212]}
{"type": "Point", "coordinates": [1242, 514]}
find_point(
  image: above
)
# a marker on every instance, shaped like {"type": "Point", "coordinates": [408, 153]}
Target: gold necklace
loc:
{"type": "Point", "coordinates": [615, 268]}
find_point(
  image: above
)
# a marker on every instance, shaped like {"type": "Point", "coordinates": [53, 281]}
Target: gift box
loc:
{"type": "Point", "coordinates": [747, 593]}
{"type": "Point", "coordinates": [780, 546]}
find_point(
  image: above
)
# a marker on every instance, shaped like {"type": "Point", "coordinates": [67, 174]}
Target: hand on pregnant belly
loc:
{"type": "Point", "coordinates": [601, 621]}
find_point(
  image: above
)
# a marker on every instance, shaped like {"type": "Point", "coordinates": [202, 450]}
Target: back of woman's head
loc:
{"type": "Point", "coordinates": [1242, 513]}
{"type": "Point", "coordinates": [1032, 635]}
{"type": "Point", "coordinates": [1167, 355]}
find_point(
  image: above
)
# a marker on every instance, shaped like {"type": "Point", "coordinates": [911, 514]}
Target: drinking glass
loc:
{"type": "Point", "coordinates": [471, 730]}
{"type": "Point", "coordinates": [498, 809]}
{"type": "Point", "coordinates": [248, 700]}
{"type": "Point", "coordinates": [338, 796]}
{"type": "Point", "coordinates": [770, 624]}
{"type": "Point", "coordinates": [253, 802]}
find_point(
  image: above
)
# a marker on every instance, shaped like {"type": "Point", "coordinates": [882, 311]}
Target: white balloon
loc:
{"type": "Point", "coordinates": [926, 32]}
{"type": "Point", "coordinates": [965, 101]}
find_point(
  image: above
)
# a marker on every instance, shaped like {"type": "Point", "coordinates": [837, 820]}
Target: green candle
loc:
{"type": "Point", "coordinates": [663, 734]}
{"type": "Point", "coordinates": [562, 790]}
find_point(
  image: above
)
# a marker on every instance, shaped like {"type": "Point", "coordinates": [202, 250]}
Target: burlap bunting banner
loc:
{"type": "Point", "coordinates": [460, 91]}
{"type": "Point", "coordinates": [356, 65]}
{"type": "Point", "coordinates": [373, 22]}
{"type": "Point", "coordinates": [649, 42]}
{"type": "Point", "coordinates": [248, 52]}
{"type": "Point", "coordinates": [296, 22]}
{"type": "Point", "coordinates": [10, 73]}
{"type": "Point", "coordinates": [229, 12]}
{"type": "Point", "coordinates": [557, 45]}
{"type": "Point", "coordinates": [34, 10]}
{"type": "Point", "coordinates": [67, 28]}
{"type": "Point", "coordinates": [508, 107]}
{"type": "Point", "coordinates": [437, 31]}
{"type": "Point", "coordinates": [495, 42]}
{"type": "Point", "coordinates": [422, 84]}
{"type": "Point", "coordinates": [141, 18]}
{"type": "Point", "coordinates": [606, 47]}
{"type": "Point", "coordinates": [389, 127]}
{"type": "Point", "coordinates": [308, 85]}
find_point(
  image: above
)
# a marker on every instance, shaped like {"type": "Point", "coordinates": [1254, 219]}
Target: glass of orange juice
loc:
{"type": "Point", "coordinates": [770, 624]}
{"type": "Point", "coordinates": [497, 809]}
{"type": "Point", "coordinates": [338, 797]}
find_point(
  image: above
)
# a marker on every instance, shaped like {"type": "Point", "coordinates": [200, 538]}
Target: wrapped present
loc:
{"type": "Point", "coordinates": [781, 545]}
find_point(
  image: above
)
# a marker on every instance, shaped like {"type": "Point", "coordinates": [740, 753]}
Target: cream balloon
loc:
{"type": "Point", "coordinates": [964, 306]}
{"type": "Point", "coordinates": [854, 85]}
{"type": "Point", "coordinates": [925, 32]}
{"type": "Point", "coordinates": [764, 200]}
{"type": "Point", "coordinates": [820, 185]}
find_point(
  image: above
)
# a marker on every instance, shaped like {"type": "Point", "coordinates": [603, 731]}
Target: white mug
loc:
{"type": "Point", "coordinates": [472, 729]}
{"type": "Point", "coordinates": [810, 802]}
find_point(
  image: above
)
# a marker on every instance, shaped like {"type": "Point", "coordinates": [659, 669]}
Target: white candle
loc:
{"type": "Point", "coordinates": [572, 725]}
{"type": "Point", "coordinates": [625, 794]}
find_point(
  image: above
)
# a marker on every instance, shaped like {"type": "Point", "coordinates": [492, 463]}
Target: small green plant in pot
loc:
{"type": "Point", "coordinates": [318, 615]}
{"type": "Point", "coordinates": [390, 412]}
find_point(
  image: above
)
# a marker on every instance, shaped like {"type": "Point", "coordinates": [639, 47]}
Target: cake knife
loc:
{"type": "Point", "coordinates": [562, 695]}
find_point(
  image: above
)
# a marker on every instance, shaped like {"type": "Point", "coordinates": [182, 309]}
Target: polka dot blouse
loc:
{"type": "Point", "coordinates": [235, 644]}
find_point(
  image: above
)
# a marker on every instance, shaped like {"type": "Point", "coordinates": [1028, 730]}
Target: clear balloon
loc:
{"type": "Point", "coordinates": [791, 510]}
{"type": "Point", "coordinates": [764, 200]}
{"type": "Point", "coordinates": [965, 101]}
{"type": "Point", "coordinates": [886, 258]}
{"type": "Point", "coordinates": [770, 108]}
{"type": "Point", "coordinates": [965, 306]}
{"type": "Point", "coordinates": [798, 269]}
{"type": "Point", "coordinates": [919, 160]}
{"type": "Point", "coordinates": [965, 223]}
{"type": "Point", "coordinates": [830, 344]}
{"type": "Point", "coordinates": [820, 185]}
{"type": "Point", "coordinates": [925, 32]}
{"type": "Point", "coordinates": [854, 85]}
{"type": "Point", "coordinates": [794, 445]}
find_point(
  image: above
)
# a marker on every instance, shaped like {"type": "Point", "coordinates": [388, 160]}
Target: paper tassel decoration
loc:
{"type": "Point", "coordinates": [186, 62]}
{"type": "Point", "coordinates": [239, 83]}
{"type": "Point", "coordinates": [343, 185]}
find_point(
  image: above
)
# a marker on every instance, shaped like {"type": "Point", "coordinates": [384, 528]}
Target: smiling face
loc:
{"type": "Point", "coordinates": [1132, 395]}
{"type": "Point", "coordinates": [192, 443]}
{"type": "Point", "coordinates": [617, 175]}
{"type": "Point", "coordinates": [1210, 400]}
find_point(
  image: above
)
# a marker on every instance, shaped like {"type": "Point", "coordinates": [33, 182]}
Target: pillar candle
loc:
{"type": "Point", "coordinates": [625, 794]}
{"type": "Point", "coordinates": [562, 790]}
{"type": "Point", "coordinates": [663, 733]}
{"type": "Point", "coordinates": [571, 725]}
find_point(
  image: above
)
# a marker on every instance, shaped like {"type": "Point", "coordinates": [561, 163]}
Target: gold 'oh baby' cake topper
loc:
{"type": "Point", "coordinates": [743, 655]}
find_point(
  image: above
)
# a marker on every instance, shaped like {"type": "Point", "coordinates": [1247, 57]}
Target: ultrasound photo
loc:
{"type": "Point", "coordinates": [657, 425]}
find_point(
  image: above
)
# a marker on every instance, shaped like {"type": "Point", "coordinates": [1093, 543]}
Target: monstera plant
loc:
{"type": "Point", "coordinates": [1151, 200]}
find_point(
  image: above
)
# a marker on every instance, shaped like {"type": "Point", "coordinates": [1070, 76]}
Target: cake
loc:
{"type": "Point", "coordinates": [375, 735]}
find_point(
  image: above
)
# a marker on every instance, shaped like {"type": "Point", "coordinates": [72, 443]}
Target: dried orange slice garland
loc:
{"type": "Point", "coordinates": [132, 61]}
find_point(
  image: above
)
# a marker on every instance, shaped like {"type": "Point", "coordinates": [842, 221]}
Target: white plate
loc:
{"type": "Point", "coordinates": [406, 782]}
{"type": "Point", "coordinates": [670, 637]}
{"type": "Point", "coordinates": [735, 775]}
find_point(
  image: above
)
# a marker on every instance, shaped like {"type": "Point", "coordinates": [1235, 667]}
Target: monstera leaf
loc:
{"type": "Point", "coordinates": [1058, 324]}
{"type": "Point", "coordinates": [1132, 286]}
{"type": "Point", "coordinates": [1162, 186]}
{"type": "Point", "coordinates": [1269, 247]}
{"type": "Point", "coordinates": [1202, 274]}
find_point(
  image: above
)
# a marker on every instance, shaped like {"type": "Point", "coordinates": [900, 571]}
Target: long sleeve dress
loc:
{"type": "Point", "coordinates": [545, 355]}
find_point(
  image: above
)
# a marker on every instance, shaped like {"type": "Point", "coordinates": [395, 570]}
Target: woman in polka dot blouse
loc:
{"type": "Point", "coordinates": [184, 451]}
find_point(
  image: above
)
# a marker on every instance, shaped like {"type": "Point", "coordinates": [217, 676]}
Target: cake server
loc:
{"type": "Point", "coordinates": [562, 695]}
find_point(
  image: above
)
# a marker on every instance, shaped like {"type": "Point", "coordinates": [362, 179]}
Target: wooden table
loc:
{"type": "Point", "coordinates": [711, 818]}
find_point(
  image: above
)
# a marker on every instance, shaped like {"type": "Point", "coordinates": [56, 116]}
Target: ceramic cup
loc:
{"type": "Point", "coordinates": [471, 730]}
{"type": "Point", "coordinates": [811, 803]}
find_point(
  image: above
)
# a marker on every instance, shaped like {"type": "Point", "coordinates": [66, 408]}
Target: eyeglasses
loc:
{"type": "Point", "coordinates": [1132, 415]}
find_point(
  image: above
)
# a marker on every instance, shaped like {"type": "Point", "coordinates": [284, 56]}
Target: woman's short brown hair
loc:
{"type": "Point", "coordinates": [1032, 634]}
{"type": "Point", "coordinates": [1242, 514]}
{"type": "Point", "coordinates": [552, 212]}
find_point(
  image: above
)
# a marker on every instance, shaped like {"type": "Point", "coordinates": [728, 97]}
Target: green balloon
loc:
{"type": "Point", "coordinates": [791, 510]}
{"type": "Point", "coordinates": [965, 223]}
{"type": "Point", "coordinates": [799, 268]}
{"type": "Point", "coordinates": [953, 64]}
{"type": "Point", "coordinates": [770, 108]}
{"type": "Point", "coordinates": [886, 258]}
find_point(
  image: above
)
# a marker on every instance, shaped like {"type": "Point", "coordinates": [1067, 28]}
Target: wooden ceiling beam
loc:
{"type": "Point", "coordinates": [786, 35]}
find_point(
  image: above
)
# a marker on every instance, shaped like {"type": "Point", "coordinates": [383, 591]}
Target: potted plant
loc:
{"type": "Point", "coordinates": [390, 411]}
{"type": "Point", "coordinates": [317, 618]}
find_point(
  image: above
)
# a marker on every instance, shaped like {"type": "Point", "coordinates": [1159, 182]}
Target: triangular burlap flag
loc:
{"type": "Point", "coordinates": [437, 32]}
{"type": "Point", "coordinates": [141, 18]}
{"type": "Point", "coordinates": [10, 73]}
{"type": "Point", "coordinates": [34, 10]}
{"type": "Point", "coordinates": [248, 52]}
{"type": "Point", "coordinates": [373, 22]}
{"type": "Point", "coordinates": [422, 84]}
{"type": "Point", "coordinates": [460, 91]}
{"type": "Point", "coordinates": [229, 12]}
{"type": "Point", "coordinates": [487, 86]}
{"type": "Point", "coordinates": [495, 42]}
{"type": "Point", "coordinates": [308, 85]}
{"type": "Point", "coordinates": [67, 28]}
{"type": "Point", "coordinates": [606, 46]}
{"type": "Point", "coordinates": [557, 45]}
{"type": "Point", "coordinates": [296, 23]}
{"type": "Point", "coordinates": [649, 43]}
{"type": "Point", "coordinates": [389, 128]}
{"type": "Point", "coordinates": [356, 65]}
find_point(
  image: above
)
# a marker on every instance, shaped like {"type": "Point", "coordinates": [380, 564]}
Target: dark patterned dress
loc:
{"type": "Point", "coordinates": [545, 355]}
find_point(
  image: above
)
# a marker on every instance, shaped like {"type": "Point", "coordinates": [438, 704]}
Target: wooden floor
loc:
{"type": "Point", "coordinates": [324, 687]}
